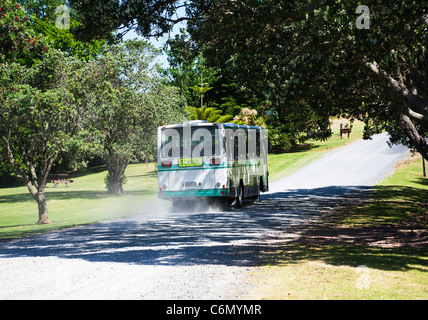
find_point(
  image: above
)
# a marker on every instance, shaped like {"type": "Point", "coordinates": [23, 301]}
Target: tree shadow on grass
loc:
{"type": "Point", "coordinates": [391, 204]}
{"type": "Point", "coordinates": [161, 237]}
{"type": "Point", "coordinates": [297, 148]}
{"type": "Point", "coordinates": [383, 232]}
{"type": "Point", "coordinates": [388, 259]}
{"type": "Point", "coordinates": [422, 180]}
{"type": "Point", "coordinates": [87, 171]}
{"type": "Point", "coordinates": [70, 195]}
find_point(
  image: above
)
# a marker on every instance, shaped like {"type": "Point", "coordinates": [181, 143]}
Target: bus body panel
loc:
{"type": "Point", "coordinates": [219, 175]}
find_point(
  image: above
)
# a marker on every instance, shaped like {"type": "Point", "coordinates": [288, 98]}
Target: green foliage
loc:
{"type": "Point", "coordinates": [18, 41]}
{"type": "Point", "coordinates": [39, 114]}
{"type": "Point", "coordinates": [221, 101]}
{"type": "Point", "coordinates": [127, 101]}
{"type": "Point", "coordinates": [208, 114]}
{"type": "Point", "coordinates": [187, 70]}
{"type": "Point", "coordinates": [249, 117]}
{"type": "Point", "coordinates": [39, 119]}
{"type": "Point", "coordinates": [147, 17]}
{"type": "Point", "coordinates": [289, 51]}
{"type": "Point", "coordinates": [43, 17]}
{"type": "Point", "coordinates": [201, 89]}
{"type": "Point", "coordinates": [63, 39]}
{"type": "Point", "coordinates": [41, 9]}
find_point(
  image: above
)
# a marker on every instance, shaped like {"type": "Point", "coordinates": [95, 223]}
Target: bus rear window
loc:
{"type": "Point", "coordinates": [190, 142]}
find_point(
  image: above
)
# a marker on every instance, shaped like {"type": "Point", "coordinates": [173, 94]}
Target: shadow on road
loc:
{"type": "Point", "coordinates": [235, 238]}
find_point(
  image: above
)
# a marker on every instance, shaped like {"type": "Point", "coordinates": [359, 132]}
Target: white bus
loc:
{"type": "Point", "coordinates": [222, 162]}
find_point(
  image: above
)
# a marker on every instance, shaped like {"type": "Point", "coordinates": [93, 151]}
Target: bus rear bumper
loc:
{"type": "Point", "coordinates": [168, 195]}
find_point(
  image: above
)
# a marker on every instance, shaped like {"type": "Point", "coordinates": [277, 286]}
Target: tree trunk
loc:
{"type": "Point", "coordinates": [40, 198]}
{"type": "Point", "coordinates": [415, 139]}
{"type": "Point", "coordinates": [115, 179]}
{"type": "Point", "coordinates": [35, 185]}
{"type": "Point", "coordinates": [43, 209]}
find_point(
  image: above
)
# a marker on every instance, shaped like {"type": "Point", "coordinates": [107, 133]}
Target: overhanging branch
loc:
{"type": "Point", "coordinates": [417, 108]}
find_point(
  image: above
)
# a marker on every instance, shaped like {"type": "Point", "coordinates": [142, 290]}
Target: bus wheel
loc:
{"type": "Point", "coordinates": [261, 189]}
{"type": "Point", "coordinates": [240, 198]}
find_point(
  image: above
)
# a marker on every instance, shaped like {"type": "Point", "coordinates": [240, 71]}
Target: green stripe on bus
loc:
{"type": "Point", "coordinates": [176, 168]}
{"type": "Point", "coordinates": [193, 193]}
{"type": "Point", "coordinates": [188, 168]}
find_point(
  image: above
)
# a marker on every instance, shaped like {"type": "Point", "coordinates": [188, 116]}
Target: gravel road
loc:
{"type": "Point", "coordinates": [205, 254]}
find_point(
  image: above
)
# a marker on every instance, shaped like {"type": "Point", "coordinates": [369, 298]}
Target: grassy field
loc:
{"type": "Point", "coordinates": [333, 270]}
{"type": "Point", "coordinates": [86, 200]}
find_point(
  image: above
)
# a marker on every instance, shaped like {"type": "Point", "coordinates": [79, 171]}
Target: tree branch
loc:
{"type": "Point", "coordinates": [412, 133]}
{"type": "Point", "coordinates": [18, 171]}
{"type": "Point", "coordinates": [417, 108]}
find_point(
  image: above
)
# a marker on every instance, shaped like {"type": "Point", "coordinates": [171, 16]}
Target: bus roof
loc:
{"type": "Point", "coordinates": [203, 123]}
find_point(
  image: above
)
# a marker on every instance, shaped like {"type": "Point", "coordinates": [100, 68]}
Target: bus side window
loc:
{"type": "Point", "coordinates": [247, 152]}
{"type": "Point", "coordinates": [252, 143]}
{"type": "Point", "coordinates": [258, 144]}
{"type": "Point", "coordinates": [236, 144]}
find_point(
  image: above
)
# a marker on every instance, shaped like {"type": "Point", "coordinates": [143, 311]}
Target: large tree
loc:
{"type": "Point", "coordinates": [127, 102]}
{"type": "Point", "coordinates": [314, 59]}
{"type": "Point", "coordinates": [38, 117]}
{"type": "Point", "coordinates": [39, 120]}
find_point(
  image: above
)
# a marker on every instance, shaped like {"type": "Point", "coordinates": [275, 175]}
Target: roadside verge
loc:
{"type": "Point", "coordinates": [372, 248]}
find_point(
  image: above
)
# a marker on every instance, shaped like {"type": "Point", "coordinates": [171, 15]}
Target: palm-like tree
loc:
{"type": "Point", "coordinates": [209, 114]}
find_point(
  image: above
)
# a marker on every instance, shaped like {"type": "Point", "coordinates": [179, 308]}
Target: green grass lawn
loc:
{"type": "Point", "coordinates": [302, 270]}
{"type": "Point", "coordinates": [342, 272]}
{"type": "Point", "coordinates": [401, 196]}
{"type": "Point", "coordinates": [84, 201]}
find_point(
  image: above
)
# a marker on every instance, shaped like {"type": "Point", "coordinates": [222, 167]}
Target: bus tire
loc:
{"type": "Point", "coordinates": [240, 198]}
{"type": "Point", "coordinates": [261, 189]}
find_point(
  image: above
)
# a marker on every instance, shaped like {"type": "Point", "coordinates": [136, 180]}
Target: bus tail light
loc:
{"type": "Point", "coordinates": [166, 164]}
{"type": "Point", "coordinates": [215, 161]}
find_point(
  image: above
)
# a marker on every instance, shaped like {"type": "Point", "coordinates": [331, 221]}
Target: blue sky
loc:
{"type": "Point", "coordinates": [160, 42]}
